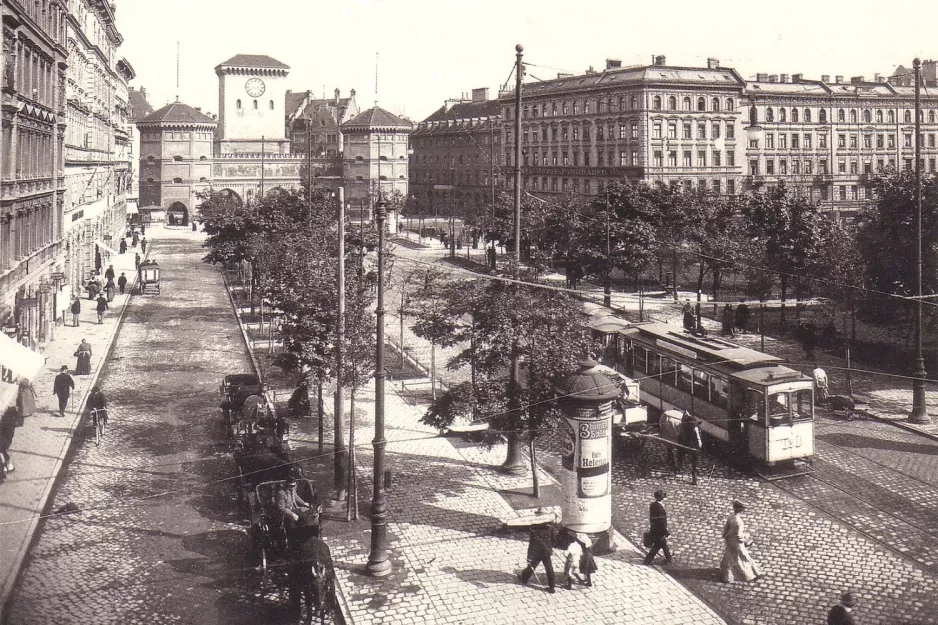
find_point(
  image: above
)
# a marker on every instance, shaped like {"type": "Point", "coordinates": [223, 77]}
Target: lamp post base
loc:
{"type": "Point", "coordinates": [919, 415]}
{"type": "Point", "coordinates": [380, 568]}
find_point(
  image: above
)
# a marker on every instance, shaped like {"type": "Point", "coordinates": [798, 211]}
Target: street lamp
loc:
{"type": "Point", "coordinates": [918, 414]}
{"type": "Point", "coordinates": [378, 563]}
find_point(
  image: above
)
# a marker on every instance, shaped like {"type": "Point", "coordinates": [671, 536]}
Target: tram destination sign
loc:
{"type": "Point", "coordinates": [604, 172]}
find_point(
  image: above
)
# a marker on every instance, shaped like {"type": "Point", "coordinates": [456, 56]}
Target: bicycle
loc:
{"type": "Point", "coordinates": [98, 421]}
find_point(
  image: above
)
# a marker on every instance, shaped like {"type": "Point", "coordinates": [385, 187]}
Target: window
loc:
{"type": "Point", "coordinates": [634, 129]}
{"type": "Point", "coordinates": [729, 106]}
{"type": "Point", "coordinates": [879, 117]}
{"type": "Point", "coordinates": [701, 158]}
{"type": "Point", "coordinates": [640, 359]}
{"type": "Point", "coordinates": [685, 104]}
{"type": "Point", "coordinates": [853, 116]}
{"type": "Point", "coordinates": [769, 141]}
{"type": "Point", "coordinates": [656, 130]}
{"type": "Point", "coordinates": [731, 159]}
{"type": "Point", "coordinates": [271, 105]}
{"type": "Point", "coordinates": [782, 141]}
{"type": "Point", "coordinates": [841, 116]}
{"type": "Point", "coordinates": [794, 117]}
{"type": "Point", "coordinates": [238, 104]}
{"type": "Point", "coordinates": [853, 141]}
{"type": "Point", "coordinates": [658, 159]}
{"type": "Point", "coordinates": [822, 166]}
{"type": "Point", "coordinates": [622, 131]}
{"type": "Point", "coordinates": [891, 141]}
{"type": "Point", "coordinates": [842, 166]}
{"type": "Point", "coordinates": [576, 107]}
{"type": "Point", "coordinates": [853, 167]}
{"type": "Point", "coordinates": [255, 105]}
{"type": "Point", "coordinates": [656, 103]}
{"type": "Point", "coordinates": [868, 141]}
{"type": "Point", "coordinates": [566, 158]}
{"type": "Point", "coordinates": [931, 165]}
{"type": "Point", "coordinates": [563, 133]}
{"type": "Point", "coordinates": [754, 167]}
{"type": "Point", "coordinates": [931, 139]}
{"type": "Point", "coordinates": [599, 133]}
{"type": "Point", "coordinates": [672, 158]}
{"type": "Point", "coordinates": [716, 186]}
{"type": "Point", "coordinates": [908, 164]}
{"type": "Point", "coordinates": [672, 103]}
{"type": "Point", "coordinates": [781, 115]}
{"type": "Point", "coordinates": [731, 187]}
{"type": "Point", "coordinates": [623, 158]}
{"type": "Point", "coordinates": [822, 116]}
{"type": "Point", "coordinates": [553, 109]}
{"type": "Point", "coordinates": [716, 156]}
{"type": "Point", "coordinates": [769, 115]}
{"type": "Point", "coordinates": [908, 140]}
{"type": "Point", "coordinates": [634, 102]}
{"type": "Point", "coordinates": [841, 140]}
{"type": "Point", "coordinates": [807, 116]}
{"type": "Point", "coordinates": [770, 166]}
{"type": "Point", "coordinates": [719, 390]}
{"type": "Point", "coordinates": [715, 130]}
{"type": "Point", "coordinates": [715, 104]}
{"type": "Point", "coordinates": [672, 130]}
{"type": "Point", "coordinates": [701, 385]}
{"type": "Point", "coordinates": [730, 131]}
{"type": "Point", "coordinates": [687, 130]}
{"type": "Point", "coordinates": [685, 379]}
{"type": "Point", "coordinates": [794, 141]}
{"type": "Point", "coordinates": [783, 167]}
{"type": "Point", "coordinates": [807, 167]}
{"type": "Point", "coordinates": [701, 104]}
{"type": "Point", "coordinates": [807, 141]}
{"type": "Point", "coordinates": [892, 117]}
{"type": "Point", "coordinates": [843, 192]}
{"type": "Point", "coordinates": [908, 117]}
{"type": "Point", "coordinates": [563, 107]}
{"type": "Point", "coordinates": [702, 130]}
{"type": "Point", "coordinates": [867, 116]}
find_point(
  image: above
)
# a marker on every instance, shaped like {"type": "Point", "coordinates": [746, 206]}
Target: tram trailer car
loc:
{"type": "Point", "coordinates": [762, 408]}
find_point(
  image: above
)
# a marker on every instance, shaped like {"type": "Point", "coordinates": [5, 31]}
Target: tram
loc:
{"type": "Point", "coordinates": [763, 409]}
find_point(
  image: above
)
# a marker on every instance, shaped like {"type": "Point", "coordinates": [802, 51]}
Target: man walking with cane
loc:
{"type": "Point", "coordinates": [62, 388]}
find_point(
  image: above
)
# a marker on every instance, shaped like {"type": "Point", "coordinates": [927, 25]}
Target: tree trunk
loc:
{"type": "Point", "coordinates": [784, 295]}
{"type": "Point", "coordinates": [674, 271]}
{"type": "Point", "coordinates": [532, 452]}
{"type": "Point", "coordinates": [433, 371]}
{"type": "Point", "coordinates": [340, 459]}
{"type": "Point", "coordinates": [320, 408]}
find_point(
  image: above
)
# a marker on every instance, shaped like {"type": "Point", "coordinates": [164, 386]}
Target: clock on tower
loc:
{"type": "Point", "coordinates": [255, 87]}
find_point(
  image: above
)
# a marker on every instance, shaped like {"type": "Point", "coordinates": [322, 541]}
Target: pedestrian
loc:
{"type": "Point", "coordinates": [123, 247]}
{"type": "Point", "coordinates": [135, 239]}
{"type": "Point", "coordinates": [541, 549]}
{"type": "Point", "coordinates": [136, 261]}
{"type": "Point", "coordinates": [143, 243]}
{"type": "Point", "coordinates": [571, 564]}
{"type": "Point", "coordinates": [808, 335]}
{"type": "Point", "coordinates": [76, 311]}
{"type": "Point", "coordinates": [110, 288]}
{"type": "Point", "coordinates": [102, 306]}
{"type": "Point", "coordinates": [83, 353]}
{"type": "Point", "coordinates": [692, 443]}
{"type": "Point", "coordinates": [587, 561]}
{"type": "Point", "coordinates": [742, 317]}
{"type": "Point", "coordinates": [840, 614]}
{"type": "Point", "coordinates": [26, 398]}
{"type": "Point", "coordinates": [122, 282]}
{"type": "Point", "coordinates": [8, 422]}
{"type": "Point", "coordinates": [299, 401]}
{"type": "Point", "coordinates": [737, 563]}
{"type": "Point", "coordinates": [97, 261]}
{"type": "Point", "coordinates": [729, 318]}
{"type": "Point", "coordinates": [690, 321]}
{"type": "Point", "coordinates": [62, 388]}
{"type": "Point", "coordinates": [657, 535]}
{"type": "Point", "coordinates": [109, 273]}
{"type": "Point", "coordinates": [821, 384]}
{"type": "Point", "coordinates": [490, 255]}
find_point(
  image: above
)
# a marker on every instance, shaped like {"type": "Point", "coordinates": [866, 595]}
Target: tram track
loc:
{"type": "Point", "coordinates": [885, 526]}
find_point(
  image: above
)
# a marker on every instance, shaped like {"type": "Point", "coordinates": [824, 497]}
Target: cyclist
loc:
{"type": "Point", "coordinates": [97, 401]}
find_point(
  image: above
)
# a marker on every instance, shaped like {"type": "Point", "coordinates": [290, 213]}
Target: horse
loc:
{"type": "Point", "coordinates": [681, 430]}
{"type": "Point", "coordinates": [312, 575]}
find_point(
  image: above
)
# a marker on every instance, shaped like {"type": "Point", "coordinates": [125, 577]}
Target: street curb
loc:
{"type": "Point", "coordinates": [346, 615]}
{"type": "Point", "coordinates": [901, 425]}
{"type": "Point", "coordinates": [45, 497]}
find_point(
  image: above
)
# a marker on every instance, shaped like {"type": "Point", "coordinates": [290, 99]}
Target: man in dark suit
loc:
{"type": "Point", "coordinates": [658, 521]}
{"type": "Point", "coordinates": [840, 613]}
{"type": "Point", "coordinates": [540, 550]}
{"type": "Point", "coordinates": [62, 388]}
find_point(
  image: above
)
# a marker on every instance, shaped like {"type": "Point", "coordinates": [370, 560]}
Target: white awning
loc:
{"type": "Point", "coordinates": [132, 209]}
{"type": "Point", "coordinates": [8, 393]}
{"type": "Point", "coordinates": [107, 247]}
{"type": "Point", "coordinates": [23, 361]}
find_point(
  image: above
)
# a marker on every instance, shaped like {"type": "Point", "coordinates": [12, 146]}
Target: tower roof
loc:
{"type": "Point", "coordinates": [254, 60]}
{"type": "Point", "coordinates": [377, 117]}
{"type": "Point", "coordinates": [177, 113]}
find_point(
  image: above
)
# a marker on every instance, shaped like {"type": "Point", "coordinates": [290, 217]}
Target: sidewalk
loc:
{"type": "Point", "coordinates": [41, 445]}
{"type": "Point", "coordinates": [452, 563]}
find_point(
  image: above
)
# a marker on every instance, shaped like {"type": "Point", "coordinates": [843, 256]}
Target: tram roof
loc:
{"type": "Point", "coordinates": [708, 349]}
{"type": "Point", "coordinates": [767, 376]}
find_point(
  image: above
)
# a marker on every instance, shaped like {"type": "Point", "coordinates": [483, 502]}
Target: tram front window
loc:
{"type": "Point", "coordinates": [779, 408]}
{"type": "Point", "coordinates": [802, 405]}
{"type": "Point", "coordinates": [789, 406]}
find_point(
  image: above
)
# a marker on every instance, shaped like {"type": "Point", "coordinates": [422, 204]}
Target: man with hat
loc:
{"type": "Point", "coordinates": [62, 388]}
{"type": "Point", "coordinates": [658, 530]}
{"type": "Point", "coordinates": [541, 548]}
{"type": "Point", "coordinates": [840, 613]}
{"type": "Point", "coordinates": [293, 509]}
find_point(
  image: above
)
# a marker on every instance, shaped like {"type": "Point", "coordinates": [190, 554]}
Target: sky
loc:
{"type": "Point", "coordinates": [427, 51]}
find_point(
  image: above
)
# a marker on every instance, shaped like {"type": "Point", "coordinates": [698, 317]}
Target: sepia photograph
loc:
{"type": "Point", "coordinates": [490, 313]}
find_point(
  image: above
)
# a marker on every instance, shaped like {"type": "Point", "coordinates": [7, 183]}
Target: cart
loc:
{"type": "Point", "coordinates": [149, 277]}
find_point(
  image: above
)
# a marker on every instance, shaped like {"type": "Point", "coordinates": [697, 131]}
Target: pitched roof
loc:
{"type": "Point", "coordinates": [177, 113]}
{"type": "Point", "coordinates": [254, 60]}
{"type": "Point", "coordinates": [139, 107]}
{"type": "Point", "coordinates": [466, 110]}
{"type": "Point", "coordinates": [293, 100]}
{"type": "Point", "coordinates": [377, 117]}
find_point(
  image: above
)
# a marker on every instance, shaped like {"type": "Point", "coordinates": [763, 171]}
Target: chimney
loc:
{"type": "Point", "coordinates": [336, 92]}
{"type": "Point", "coordinates": [616, 63]}
{"type": "Point", "coordinates": [876, 77]}
{"type": "Point", "coordinates": [289, 91]}
{"type": "Point", "coordinates": [713, 63]}
{"type": "Point", "coordinates": [215, 116]}
{"type": "Point", "coordinates": [480, 95]}
{"type": "Point", "coordinates": [838, 80]}
{"type": "Point", "coordinates": [797, 77]}
{"type": "Point", "coordinates": [590, 71]}
{"type": "Point", "coordinates": [198, 109]}
{"type": "Point", "coordinates": [773, 77]}
{"type": "Point", "coordinates": [660, 60]}
{"type": "Point", "coordinates": [929, 72]}
{"type": "Point", "coordinates": [352, 93]}
{"type": "Point", "coordinates": [762, 77]}
{"type": "Point", "coordinates": [880, 79]}
{"type": "Point", "coordinates": [143, 90]}
{"type": "Point", "coordinates": [857, 80]}
{"type": "Point", "coordinates": [825, 78]}
{"type": "Point", "coordinates": [783, 77]}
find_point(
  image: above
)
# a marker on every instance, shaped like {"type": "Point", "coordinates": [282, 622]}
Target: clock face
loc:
{"type": "Point", "coordinates": [255, 87]}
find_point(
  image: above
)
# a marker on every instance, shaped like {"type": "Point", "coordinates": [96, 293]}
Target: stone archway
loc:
{"type": "Point", "coordinates": [177, 214]}
{"type": "Point", "coordinates": [232, 196]}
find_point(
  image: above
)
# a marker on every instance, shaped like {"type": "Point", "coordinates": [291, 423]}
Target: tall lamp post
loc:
{"type": "Point", "coordinates": [918, 414]}
{"type": "Point", "coordinates": [378, 563]}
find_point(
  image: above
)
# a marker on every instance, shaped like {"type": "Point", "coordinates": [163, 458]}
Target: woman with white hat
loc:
{"type": "Point", "coordinates": [737, 563]}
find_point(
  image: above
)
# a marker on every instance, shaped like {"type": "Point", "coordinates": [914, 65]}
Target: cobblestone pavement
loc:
{"type": "Point", "coordinates": [864, 520]}
{"type": "Point", "coordinates": [158, 538]}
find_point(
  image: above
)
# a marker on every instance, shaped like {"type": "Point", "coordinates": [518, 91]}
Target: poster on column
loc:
{"type": "Point", "coordinates": [585, 470]}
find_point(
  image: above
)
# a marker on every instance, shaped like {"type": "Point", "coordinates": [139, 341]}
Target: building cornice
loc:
{"type": "Point", "coordinates": [250, 71]}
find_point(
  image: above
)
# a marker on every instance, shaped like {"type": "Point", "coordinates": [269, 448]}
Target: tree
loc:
{"type": "Point", "coordinates": [433, 319]}
{"type": "Point", "coordinates": [887, 242]}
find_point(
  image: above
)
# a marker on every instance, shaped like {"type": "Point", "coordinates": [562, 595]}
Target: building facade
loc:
{"type": "Point", "coordinates": [31, 173]}
{"type": "Point", "coordinates": [139, 108]}
{"type": "Point", "coordinates": [455, 150]}
{"type": "Point", "coordinates": [97, 141]}
{"type": "Point", "coordinates": [176, 159]}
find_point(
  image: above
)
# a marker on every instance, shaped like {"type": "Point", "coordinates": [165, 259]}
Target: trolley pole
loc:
{"type": "Point", "coordinates": [918, 415]}
{"type": "Point", "coordinates": [378, 563]}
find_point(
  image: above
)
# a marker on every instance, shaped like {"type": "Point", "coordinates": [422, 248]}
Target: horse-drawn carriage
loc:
{"type": "Point", "coordinates": [292, 554]}
{"type": "Point", "coordinates": [149, 277]}
{"type": "Point", "coordinates": [261, 450]}
{"type": "Point", "coordinates": [236, 388]}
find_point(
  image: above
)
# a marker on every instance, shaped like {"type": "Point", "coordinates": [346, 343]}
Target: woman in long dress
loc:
{"type": "Point", "coordinates": [737, 563]}
{"type": "Point", "coordinates": [83, 353]}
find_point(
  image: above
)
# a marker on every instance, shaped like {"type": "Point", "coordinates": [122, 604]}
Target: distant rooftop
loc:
{"type": "Point", "coordinates": [254, 60]}
{"type": "Point", "coordinates": [177, 113]}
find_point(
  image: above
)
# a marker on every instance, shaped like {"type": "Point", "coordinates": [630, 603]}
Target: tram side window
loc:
{"type": "Point", "coordinates": [640, 358]}
{"type": "Point", "coordinates": [754, 407]}
{"type": "Point", "coordinates": [701, 385]}
{"type": "Point", "coordinates": [654, 363]}
{"type": "Point", "coordinates": [685, 379]}
{"type": "Point", "coordinates": [719, 391]}
{"type": "Point", "coordinates": [802, 405]}
{"type": "Point", "coordinates": [668, 371]}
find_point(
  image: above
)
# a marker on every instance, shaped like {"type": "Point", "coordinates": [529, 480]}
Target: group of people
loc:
{"type": "Point", "coordinates": [579, 563]}
{"type": "Point", "coordinates": [732, 320]}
